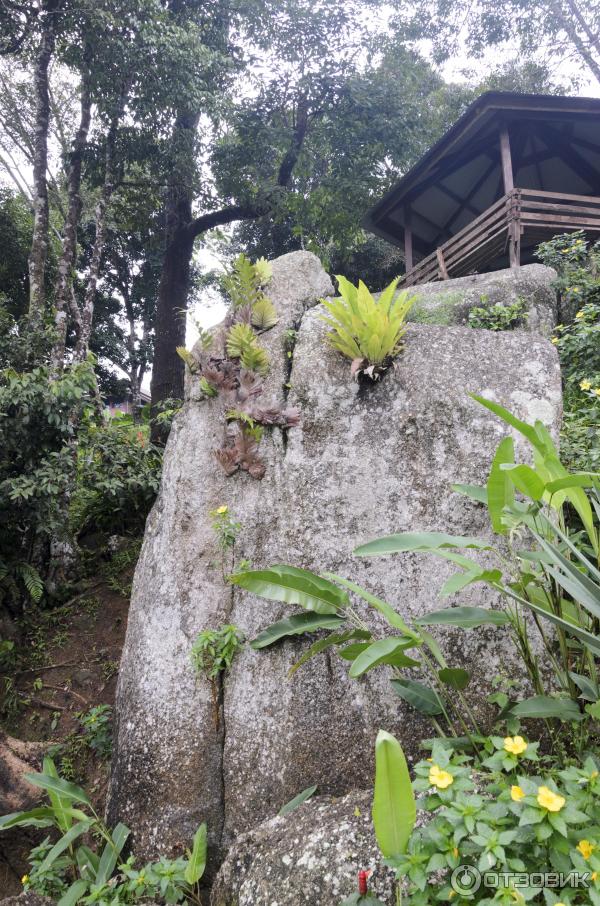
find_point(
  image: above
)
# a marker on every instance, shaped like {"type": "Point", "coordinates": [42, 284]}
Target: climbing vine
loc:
{"type": "Point", "coordinates": [232, 365]}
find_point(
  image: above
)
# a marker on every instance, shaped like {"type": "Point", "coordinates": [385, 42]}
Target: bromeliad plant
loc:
{"type": "Point", "coordinates": [232, 364]}
{"type": "Point", "coordinates": [367, 330]}
{"type": "Point", "coordinates": [545, 566]}
{"type": "Point", "coordinates": [73, 872]}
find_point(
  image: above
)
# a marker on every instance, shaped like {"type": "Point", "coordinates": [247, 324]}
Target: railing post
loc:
{"type": "Point", "coordinates": [442, 264]}
{"type": "Point", "coordinates": [408, 243]}
{"type": "Point", "coordinates": [513, 206]}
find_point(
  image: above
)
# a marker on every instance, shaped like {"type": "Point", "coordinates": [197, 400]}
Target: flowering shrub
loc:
{"type": "Point", "coordinates": [499, 825]}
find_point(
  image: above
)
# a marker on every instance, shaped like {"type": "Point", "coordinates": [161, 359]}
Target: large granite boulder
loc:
{"type": "Point", "coordinates": [311, 856]}
{"type": "Point", "coordinates": [366, 460]}
{"type": "Point", "coordinates": [449, 302]}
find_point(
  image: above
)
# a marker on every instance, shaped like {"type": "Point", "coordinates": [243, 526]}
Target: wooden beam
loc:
{"type": "Point", "coordinates": [408, 239]}
{"type": "Point", "coordinates": [572, 158]}
{"type": "Point", "coordinates": [441, 263]}
{"type": "Point", "coordinates": [446, 227]}
{"type": "Point", "coordinates": [506, 159]}
{"type": "Point", "coordinates": [464, 204]}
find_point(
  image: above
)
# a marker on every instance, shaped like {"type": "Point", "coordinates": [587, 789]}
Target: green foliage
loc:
{"type": "Point", "coordinates": [366, 330]}
{"type": "Point", "coordinates": [578, 342]}
{"type": "Point", "coordinates": [504, 815]}
{"type": "Point", "coordinates": [96, 724]}
{"type": "Point", "coordinates": [499, 316]}
{"type": "Point", "coordinates": [73, 873]}
{"type": "Point", "coordinates": [264, 315]}
{"type": "Point", "coordinates": [394, 810]}
{"type": "Point", "coordinates": [244, 283]}
{"type": "Point", "coordinates": [214, 650]}
{"type": "Point", "coordinates": [243, 345]}
{"type": "Point", "coordinates": [293, 804]}
{"type": "Point", "coordinates": [551, 572]}
{"type": "Point", "coordinates": [118, 477]}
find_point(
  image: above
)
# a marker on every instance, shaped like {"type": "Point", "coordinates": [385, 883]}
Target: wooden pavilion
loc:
{"type": "Point", "coordinates": [515, 170]}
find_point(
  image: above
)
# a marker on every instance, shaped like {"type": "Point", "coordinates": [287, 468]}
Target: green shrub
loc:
{"type": "Point", "coordinates": [491, 823]}
{"type": "Point", "coordinates": [76, 873]}
{"type": "Point", "coordinates": [499, 316]}
{"type": "Point", "coordinates": [118, 477]}
{"type": "Point", "coordinates": [578, 342]}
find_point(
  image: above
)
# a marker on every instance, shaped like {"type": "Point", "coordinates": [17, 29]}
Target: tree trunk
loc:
{"type": "Point", "coordinates": [110, 178]}
{"type": "Point", "coordinates": [68, 257]}
{"type": "Point", "coordinates": [171, 309]}
{"type": "Point", "coordinates": [39, 242]}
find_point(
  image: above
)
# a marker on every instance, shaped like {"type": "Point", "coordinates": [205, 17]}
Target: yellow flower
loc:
{"type": "Point", "coordinates": [455, 852]}
{"type": "Point", "coordinates": [597, 391]}
{"type": "Point", "coordinates": [585, 848]}
{"type": "Point", "coordinates": [593, 775]}
{"type": "Point", "coordinates": [25, 879]}
{"type": "Point", "coordinates": [220, 511]}
{"type": "Point", "coordinates": [580, 314]}
{"type": "Point", "coordinates": [585, 385]}
{"type": "Point", "coordinates": [552, 802]}
{"type": "Point", "coordinates": [516, 745]}
{"type": "Point", "coordinates": [554, 340]}
{"type": "Point", "coordinates": [439, 778]}
{"type": "Point", "coordinates": [594, 876]}
{"type": "Point", "coordinates": [516, 793]}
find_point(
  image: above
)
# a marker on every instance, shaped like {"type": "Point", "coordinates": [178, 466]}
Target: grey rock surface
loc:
{"type": "Point", "coordinates": [366, 461]}
{"type": "Point", "coordinates": [448, 302]}
{"type": "Point", "coordinates": [311, 856]}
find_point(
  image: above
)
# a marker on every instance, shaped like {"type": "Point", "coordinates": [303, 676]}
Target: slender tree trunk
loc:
{"type": "Point", "coordinates": [68, 257]}
{"type": "Point", "coordinates": [110, 178]}
{"type": "Point", "coordinates": [40, 241]}
{"type": "Point", "coordinates": [569, 20]}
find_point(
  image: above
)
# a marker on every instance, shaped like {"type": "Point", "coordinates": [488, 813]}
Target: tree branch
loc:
{"type": "Point", "coordinates": [225, 215]}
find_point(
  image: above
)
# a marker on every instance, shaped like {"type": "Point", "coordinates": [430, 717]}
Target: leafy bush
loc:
{"type": "Point", "coordinates": [499, 316]}
{"type": "Point", "coordinates": [76, 873]}
{"type": "Point", "coordinates": [366, 330]}
{"type": "Point", "coordinates": [118, 477]}
{"type": "Point", "coordinates": [496, 826]}
{"type": "Point", "coordinates": [578, 342]}
{"type": "Point", "coordinates": [39, 414]}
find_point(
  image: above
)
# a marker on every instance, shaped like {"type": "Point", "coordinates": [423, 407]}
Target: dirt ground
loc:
{"type": "Point", "coordinates": [67, 664]}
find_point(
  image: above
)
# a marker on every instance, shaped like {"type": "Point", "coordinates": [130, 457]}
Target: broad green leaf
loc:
{"type": "Point", "coordinates": [293, 586]}
{"type": "Point", "coordinates": [394, 809]}
{"type": "Point", "coordinates": [57, 785]}
{"type": "Point", "coordinates": [35, 817]}
{"type": "Point", "coordinates": [297, 624]}
{"type": "Point", "coordinates": [111, 853]}
{"type": "Point", "coordinates": [500, 492]}
{"type": "Point", "coordinates": [82, 827]}
{"type": "Point", "coordinates": [525, 479]}
{"type": "Point", "coordinates": [522, 427]}
{"type": "Point", "coordinates": [417, 541]}
{"type": "Point", "coordinates": [74, 894]}
{"type": "Point", "coordinates": [420, 697]}
{"type": "Point", "coordinates": [573, 480]}
{"type": "Point", "coordinates": [88, 862]}
{"type": "Point", "coordinates": [543, 706]}
{"type": "Point", "coordinates": [197, 860]}
{"type": "Point", "coordinates": [351, 652]}
{"type": "Point", "coordinates": [391, 615]}
{"type": "Point", "coordinates": [297, 800]}
{"type": "Point", "coordinates": [458, 581]}
{"type": "Point", "coordinates": [473, 491]}
{"type": "Point", "coordinates": [334, 638]}
{"type": "Point", "coordinates": [455, 677]}
{"type": "Point", "coordinates": [465, 617]}
{"type": "Point", "coordinates": [589, 690]}
{"type": "Point", "coordinates": [384, 651]}
{"type": "Point", "coordinates": [60, 804]}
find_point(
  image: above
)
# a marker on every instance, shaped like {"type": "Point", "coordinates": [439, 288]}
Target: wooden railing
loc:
{"type": "Point", "coordinates": [539, 215]}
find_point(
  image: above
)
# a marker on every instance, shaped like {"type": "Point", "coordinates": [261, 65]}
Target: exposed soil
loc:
{"type": "Point", "coordinates": [67, 664]}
